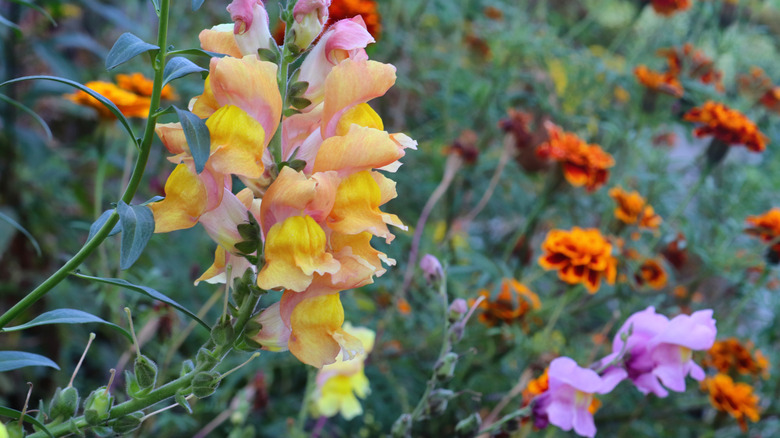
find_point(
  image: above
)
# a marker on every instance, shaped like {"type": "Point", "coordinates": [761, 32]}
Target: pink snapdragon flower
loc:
{"type": "Point", "coordinates": [658, 350]}
{"type": "Point", "coordinates": [310, 18]}
{"type": "Point", "coordinates": [570, 394]}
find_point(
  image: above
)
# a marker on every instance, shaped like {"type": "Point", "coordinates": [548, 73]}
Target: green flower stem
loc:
{"type": "Point", "coordinates": [132, 185]}
{"type": "Point", "coordinates": [525, 412]}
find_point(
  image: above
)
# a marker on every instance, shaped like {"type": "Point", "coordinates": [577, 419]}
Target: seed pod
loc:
{"type": "Point", "coordinates": [64, 404]}
{"type": "Point", "coordinates": [445, 368]}
{"type": "Point", "coordinates": [127, 424]}
{"type": "Point", "coordinates": [469, 426]}
{"type": "Point", "coordinates": [402, 428]}
{"type": "Point", "coordinates": [186, 367]}
{"type": "Point", "coordinates": [205, 383]}
{"type": "Point", "coordinates": [205, 359]}
{"type": "Point", "coordinates": [145, 372]}
{"type": "Point", "coordinates": [97, 406]}
{"type": "Point", "coordinates": [222, 333]}
{"type": "Point", "coordinates": [437, 402]}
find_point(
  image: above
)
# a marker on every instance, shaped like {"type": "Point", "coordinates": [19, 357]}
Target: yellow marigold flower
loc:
{"type": "Point", "coordinates": [512, 303]}
{"type": "Point", "coordinates": [657, 81]}
{"type": "Point", "coordinates": [735, 398]}
{"type": "Point", "coordinates": [669, 7]}
{"type": "Point", "coordinates": [652, 274]}
{"type": "Point", "coordinates": [579, 256]}
{"type": "Point", "coordinates": [766, 227]}
{"type": "Point", "coordinates": [341, 9]}
{"type": "Point", "coordinates": [129, 103]}
{"type": "Point", "coordinates": [727, 125]}
{"type": "Point", "coordinates": [583, 164]}
{"type": "Point", "coordinates": [731, 355]}
{"type": "Point", "coordinates": [340, 384]}
{"type": "Point", "coordinates": [142, 86]}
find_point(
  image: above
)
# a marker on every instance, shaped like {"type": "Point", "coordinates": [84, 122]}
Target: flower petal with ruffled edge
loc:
{"type": "Point", "coordinates": [237, 142]}
{"type": "Point", "coordinates": [361, 149]}
{"type": "Point", "coordinates": [186, 198]}
{"type": "Point", "coordinates": [219, 39]}
{"type": "Point", "coordinates": [317, 336]}
{"type": "Point", "coordinates": [294, 251]}
{"type": "Point", "coordinates": [249, 84]}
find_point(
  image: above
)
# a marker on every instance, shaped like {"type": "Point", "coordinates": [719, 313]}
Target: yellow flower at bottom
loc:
{"type": "Point", "coordinates": [317, 336]}
{"type": "Point", "coordinates": [735, 398]}
{"type": "Point", "coordinates": [294, 251]}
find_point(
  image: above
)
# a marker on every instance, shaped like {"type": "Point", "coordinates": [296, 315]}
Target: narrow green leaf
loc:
{"type": "Point", "coordinates": [22, 230]}
{"type": "Point", "coordinates": [11, 24]}
{"type": "Point", "coordinates": [29, 111]}
{"type": "Point", "coordinates": [37, 8]}
{"type": "Point", "coordinates": [67, 316]}
{"type": "Point", "coordinates": [13, 413]}
{"type": "Point", "coordinates": [11, 360]}
{"type": "Point", "coordinates": [196, 52]}
{"type": "Point", "coordinates": [198, 137]}
{"type": "Point", "coordinates": [146, 291]}
{"type": "Point", "coordinates": [300, 102]}
{"type": "Point", "coordinates": [107, 103]}
{"type": "Point", "coordinates": [196, 4]}
{"type": "Point", "coordinates": [156, 4]}
{"type": "Point", "coordinates": [98, 224]}
{"type": "Point", "coordinates": [137, 228]}
{"type": "Point", "coordinates": [127, 47]}
{"type": "Point", "coordinates": [178, 67]}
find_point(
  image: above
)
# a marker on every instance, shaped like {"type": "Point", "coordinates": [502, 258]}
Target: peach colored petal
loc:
{"type": "Point", "coordinates": [172, 137]}
{"type": "Point", "coordinates": [351, 83]}
{"type": "Point", "coordinates": [249, 84]}
{"type": "Point", "coordinates": [317, 336]}
{"type": "Point", "coordinates": [219, 39]}
{"type": "Point", "coordinates": [205, 105]}
{"type": "Point", "coordinates": [361, 149]}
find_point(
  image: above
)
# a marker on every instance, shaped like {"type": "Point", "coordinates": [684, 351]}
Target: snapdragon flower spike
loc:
{"type": "Point", "coordinates": [658, 351]}
{"type": "Point", "coordinates": [569, 395]}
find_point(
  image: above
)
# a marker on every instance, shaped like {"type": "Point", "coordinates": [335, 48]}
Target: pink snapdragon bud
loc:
{"type": "Point", "coordinates": [310, 18]}
{"type": "Point", "coordinates": [570, 394]}
{"type": "Point", "coordinates": [659, 350]}
{"type": "Point", "coordinates": [459, 306]}
{"type": "Point", "coordinates": [431, 267]}
{"type": "Point", "coordinates": [251, 29]}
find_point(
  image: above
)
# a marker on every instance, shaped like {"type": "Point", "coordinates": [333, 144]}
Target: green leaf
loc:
{"type": "Point", "coordinates": [149, 292]}
{"type": "Point", "coordinates": [127, 47]}
{"type": "Point", "coordinates": [198, 137]}
{"type": "Point", "coordinates": [37, 8]}
{"type": "Point", "coordinates": [107, 103]}
{"type": "Point", "coordinates": [29, 111]}
{"type": "Point", "coordinates": [21, 229]}
{"type": "Point", "coordinates": [297, 88]}
{"type": "Point", "coordinates": [11, 360]}
{"type": "Point", "coordinates": [98, 224]}
{"type": "Point", "coordinates": [196, 52]}
{"type": "Point", "coordinates": [13, 413]}
{"type": "Point", "coordinates": [156, 4]}
{"type": "Point", "coordinates": [196, 4]}
{"type": "Point", "coordinates": [137, 228]}
{"type": "Point", "coordinates": [11, 24]}
{"type": "Point", "coordinates": [178, 67]}
{"type": "Point", "coordinates": [67, 316]}
{"type": "Point", "coordinates": [300, 102]}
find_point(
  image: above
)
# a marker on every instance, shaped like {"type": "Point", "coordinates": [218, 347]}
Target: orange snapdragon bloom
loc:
{"type": "Point", "coordinates": [731, 355]}
{"type": "Point", "coordinates": [129, 103]}
{"type": "Point", "coordinates": [737, 399]}
{"type": "Point", "coordinates": [652, 274]}
{"type": "Point", "coordinates": [632, 209]}
{"type": "Point", "coordinates": [766, 227]}
{"type": "Point", "coordinates": [583, 164]}
{"type": "Point", "coordinates": [727, 125]}
{"type": "Point", "coordinates": [512, 303]}
{"type": "Point", "coordinates": [669, 7]}
{"type": "Point", "coordinates": [667, 83]}
{"type": "Point", "coordinates": [579, 256]}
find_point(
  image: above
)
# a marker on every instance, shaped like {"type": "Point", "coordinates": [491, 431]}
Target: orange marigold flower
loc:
{"type": "Point", "coordinates": [727, 125]}
{"type": "Point", "coordinates": [731, 355]}
{"type": "Point", "coordinates": [632, 209]}
{"type": "Point", "coordinates": [536, 387]}
{"type": "Point", "coordinates": [694, 62]}
{"type": "Point", "coordinates": [141, 85]}
{"type": "Point", "coordinates": [766, 227]}
{"type": "Point", "coordinates": [669, 7]}
{"type": "Point", "coordinates": [512, 303]}
{"type": "Point", "coordinates": [583, 164]}
{"type": "Point", "coordinates": [579, 256]}
{"type": "Point", "coordinates": [735, 398]}
{"type": "Point", "coordinates": [661, 82]}
{"type": "Point", "coordinates": [130, 104]}
{"type": "Point", "coordinates": [403, 306]}
{"type": "Point", "coordinates": [340, 9]}
{"type": "Point", "coordinates": [755, 83]}
{"type": "Point", "coordinates": [652, 274]}
{"type": "Point", "coordinates": [771, 99]}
